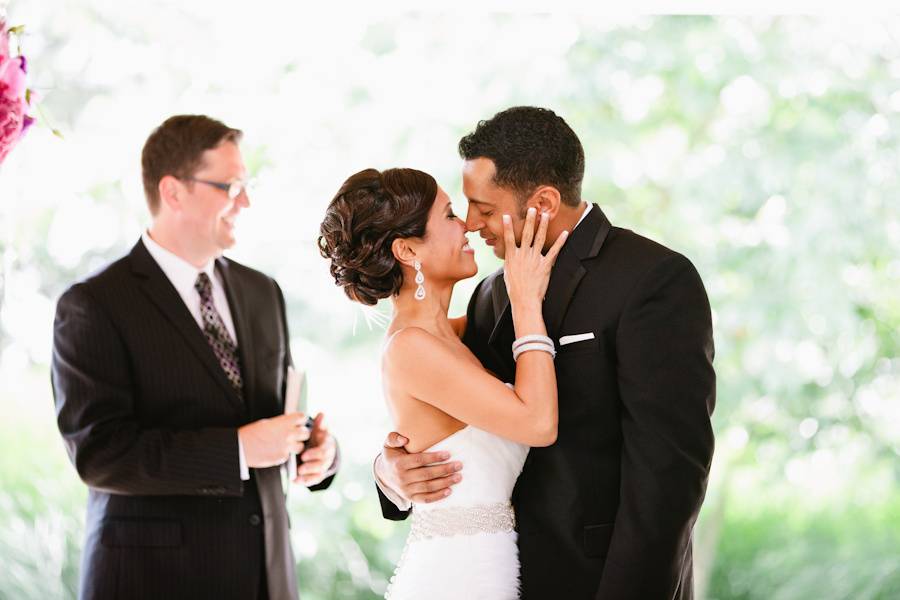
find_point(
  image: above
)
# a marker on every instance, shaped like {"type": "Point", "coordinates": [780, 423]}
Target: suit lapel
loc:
{"type": "Point", "coordinates": [584, 243]}
{"type": "Point", "coordinates": [240, 316]}
{"type": "Point", "coordinates": [162, 293]}
{"type": "Point", "coordinates": [502, 312]}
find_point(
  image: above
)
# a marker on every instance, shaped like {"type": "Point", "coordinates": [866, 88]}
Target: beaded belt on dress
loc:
{"type": "Point", "coordinates": [462, 520]}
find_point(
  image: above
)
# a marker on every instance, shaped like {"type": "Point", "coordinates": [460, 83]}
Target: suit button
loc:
{"type": "Point", "coordinates": [255, 520]}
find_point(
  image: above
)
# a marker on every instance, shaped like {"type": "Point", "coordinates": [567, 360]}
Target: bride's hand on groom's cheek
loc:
{"type": "Point", "coordinates": [318, 458]}
{"type": "Point", "coordinates": [421, 477]}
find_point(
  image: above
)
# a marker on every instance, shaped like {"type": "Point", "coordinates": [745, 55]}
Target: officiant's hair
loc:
{"type": "Point", "coordinates": [176, 148]}
{"type": "Point", "coordinates": [368, 213]}
{"type": "Point", "coordinates": [529, 147]}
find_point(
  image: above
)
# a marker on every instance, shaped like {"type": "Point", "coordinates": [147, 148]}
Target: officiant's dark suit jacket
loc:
{"type": "Point", "coordinates": [607, 511]}
{"type": "Point", "coordinates": [150, 421]}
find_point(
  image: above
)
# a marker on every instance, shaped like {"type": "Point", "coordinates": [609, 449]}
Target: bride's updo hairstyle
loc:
{"type": "Point", "coordinates": [368, 213]}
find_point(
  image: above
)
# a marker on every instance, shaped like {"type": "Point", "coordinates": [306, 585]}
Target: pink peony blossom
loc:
{"type": "Point", "coordinates": [12, 121]}
{"type": "Point", "coordinates": [12, 78]}
{"type": "Point", "coordinates": [13, 107]}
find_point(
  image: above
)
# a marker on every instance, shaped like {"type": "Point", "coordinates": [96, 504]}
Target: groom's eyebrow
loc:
{"type": "Point", "coordinates": [481, 202]}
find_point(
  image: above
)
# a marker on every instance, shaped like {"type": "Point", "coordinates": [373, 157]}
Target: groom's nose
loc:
{"type": "Point", "coordinates": [473, 223]}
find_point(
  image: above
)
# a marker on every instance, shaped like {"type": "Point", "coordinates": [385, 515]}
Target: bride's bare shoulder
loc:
{"type": "Point", "coordinates": [407, 338]}
{"type": "Point", "coordinates": [411, 343]}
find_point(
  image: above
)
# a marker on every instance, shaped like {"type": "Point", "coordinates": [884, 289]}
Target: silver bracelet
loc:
{"type": "Point", "coordinates": [527, 339]}
{"type": "Point", "coordinates": [533, 346]}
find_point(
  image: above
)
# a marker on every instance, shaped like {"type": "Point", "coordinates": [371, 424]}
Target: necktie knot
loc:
{"type": "Point", "coordinates": [204, 287]}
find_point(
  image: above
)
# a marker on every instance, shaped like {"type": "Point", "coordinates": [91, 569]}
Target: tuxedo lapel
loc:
{"type": "Point", "coordinates": [583, 244]}
{"type": "Point", "coordinates": [237, 302]}
{"type": "Point", "coordinates": [162, 293]}
{"type": "Point", "coordinates": [502, 312]}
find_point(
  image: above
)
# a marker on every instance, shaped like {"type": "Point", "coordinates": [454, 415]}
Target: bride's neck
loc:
{"type": "Point", "coordinates": [429, 313]}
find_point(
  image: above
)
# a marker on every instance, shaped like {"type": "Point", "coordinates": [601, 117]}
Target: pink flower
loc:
{"type": "Point", "coordinates": [12, 121]}
{"type": "Point", "coordinates": [13, 107]}
{"type": "Point", "coordinates": [12, 77]}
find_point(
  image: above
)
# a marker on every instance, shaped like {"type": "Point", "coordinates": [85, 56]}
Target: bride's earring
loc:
{"type": "Point", "coordinates": [420, 279]}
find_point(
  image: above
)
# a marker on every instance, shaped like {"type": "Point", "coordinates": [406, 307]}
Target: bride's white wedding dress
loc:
{"type": "Point", "coordinates": [464, 546]}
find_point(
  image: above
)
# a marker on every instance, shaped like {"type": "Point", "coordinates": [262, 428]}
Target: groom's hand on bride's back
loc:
{"type": "Point", "coordinates": [420, 477]}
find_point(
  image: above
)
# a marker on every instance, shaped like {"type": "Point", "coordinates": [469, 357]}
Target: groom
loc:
{"type": "Point", "coordinates": [607, 512]}
{"type": "Point", "coordinates": [168, 373]}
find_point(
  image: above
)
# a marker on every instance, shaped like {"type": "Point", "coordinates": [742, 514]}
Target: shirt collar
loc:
{"type": "Point", "coordinates": [583, 215]}
{"type": "Point", "coordinates": [180, 272]}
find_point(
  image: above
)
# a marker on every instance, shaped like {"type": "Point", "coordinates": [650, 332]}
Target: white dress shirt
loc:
{"type": "Point", "coordinates": [183, 276]}
{"type": "Point", "coordinates": [389, 493]}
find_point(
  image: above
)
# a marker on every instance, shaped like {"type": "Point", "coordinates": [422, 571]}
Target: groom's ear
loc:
{"type": "Point", "coordinates": [403, 252]}
{"type": "Point", "coordinates": [545, 199]}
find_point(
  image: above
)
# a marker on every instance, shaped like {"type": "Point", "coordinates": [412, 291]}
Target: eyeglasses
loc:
{"type": "Point", "coordinates": [233, 189]}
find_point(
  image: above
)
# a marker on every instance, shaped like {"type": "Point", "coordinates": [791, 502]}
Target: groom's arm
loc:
{"type": "Point", "coordinates": [393, 507]}
{"type": "Point", "coordinates": [403, 478]}
{"type": "Point", "coordinates": [667, 385]}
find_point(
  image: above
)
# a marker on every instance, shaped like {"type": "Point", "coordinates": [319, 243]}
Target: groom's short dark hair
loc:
{"type": "Point", "coordinates": [529, 147]}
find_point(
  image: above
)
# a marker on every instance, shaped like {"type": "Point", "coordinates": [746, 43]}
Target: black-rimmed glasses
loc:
{"type": "Point", "coordinates": [233, 189]}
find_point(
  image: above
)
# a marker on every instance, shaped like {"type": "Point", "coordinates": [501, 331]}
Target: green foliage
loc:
{"type": "Point", "coordinates": [781, 554]}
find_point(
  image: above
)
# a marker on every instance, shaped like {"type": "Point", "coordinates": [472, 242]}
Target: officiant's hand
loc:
{"type": "Point", "coordinates": [420, 477]}
{"type": "Point", "coordinates": [268, 442]}
{"type": "Point", "coordinates": [318, 458]}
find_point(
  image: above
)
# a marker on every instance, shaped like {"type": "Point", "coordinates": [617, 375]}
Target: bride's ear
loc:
{"type": "Point", "coordinates": [403, 252]}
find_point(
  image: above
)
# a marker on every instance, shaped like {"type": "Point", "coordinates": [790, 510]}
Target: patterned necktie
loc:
{"type": "Point", "coordinates": [219, 340]}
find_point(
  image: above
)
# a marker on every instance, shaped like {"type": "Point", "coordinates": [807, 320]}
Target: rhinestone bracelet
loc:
{"type": "Point", "coordinates": [549, 349]}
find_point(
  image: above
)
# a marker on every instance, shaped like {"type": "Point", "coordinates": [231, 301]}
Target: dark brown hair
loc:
{"type": "Point", "coordinates": [530, 147]}
{"type": "Point", "coordinates": [176, 148]}
{"type": "Point", "coordinates": [368, 213]}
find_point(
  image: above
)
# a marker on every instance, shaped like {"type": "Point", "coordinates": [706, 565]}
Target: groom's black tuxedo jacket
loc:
{"type": "Point", "coordinates": [149, 420]}
{"type": "Point", "coordinates": [607, 511]}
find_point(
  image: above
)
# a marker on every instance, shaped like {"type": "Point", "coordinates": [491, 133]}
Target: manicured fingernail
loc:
{"type": "Point", "coordinates": [566, 233]}
{"type": "Point", "coordinates": [447, 492]}
{"type": "Point", "coordinates": [506, 219]}
{"type": "Point", "coordinates": [444, 455]}
{"type": "Point", "coordinates": [457, 478]}
{"type": "Point", "coordinates": [545, 215]}
{"type": "Point", "coordinates": [457, 466]}
{"type": "Point", "coordinates": [532, 210]}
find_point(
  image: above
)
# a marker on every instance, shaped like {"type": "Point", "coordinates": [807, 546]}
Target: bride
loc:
{"type": "Point", "coordinates": [393, 234]}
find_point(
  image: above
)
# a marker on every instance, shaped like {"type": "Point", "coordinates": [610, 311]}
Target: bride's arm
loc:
{"type": "Point", "coordinates": [433, 372]}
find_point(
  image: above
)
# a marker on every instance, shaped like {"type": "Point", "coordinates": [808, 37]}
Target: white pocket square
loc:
{"type": "Point", "coordinates": [578, 337]}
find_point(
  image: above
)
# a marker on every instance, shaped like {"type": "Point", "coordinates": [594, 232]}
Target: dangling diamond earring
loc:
{"type": "Point", "coordinates": [420, 279]}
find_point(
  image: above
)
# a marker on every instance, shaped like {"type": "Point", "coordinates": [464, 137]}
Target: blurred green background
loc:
{"type": "Point", "coordinates": [765, 149]}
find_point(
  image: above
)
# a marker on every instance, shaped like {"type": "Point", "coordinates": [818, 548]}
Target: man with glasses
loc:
{"type": "Point", "coordinates": [169, 374]}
